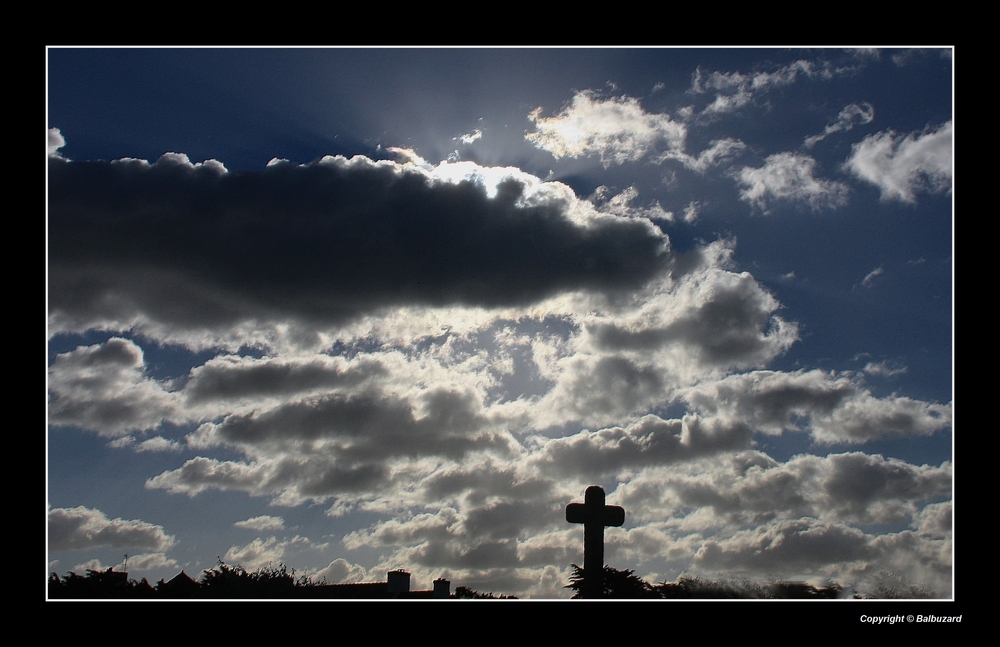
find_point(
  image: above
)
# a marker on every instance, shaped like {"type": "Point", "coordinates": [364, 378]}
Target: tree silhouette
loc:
{"type": "Point", "coordinates": [890, 585]}
{"type": "Point", "coordinates": [465, 593]}
{"type": "Point", "coordinates": [694, 588]}
{"type": "Point", "coordinates": [624, 584]}
{"type": "Point", "coordinates": [98, 585]}
{"type": "Point", "coordinates": [617, 584]}
{"type": "Point", "coordinates": [225, 581]}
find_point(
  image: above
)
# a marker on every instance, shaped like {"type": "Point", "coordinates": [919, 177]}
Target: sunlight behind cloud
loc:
{"type": "Point", "coordinates": [412, 344]}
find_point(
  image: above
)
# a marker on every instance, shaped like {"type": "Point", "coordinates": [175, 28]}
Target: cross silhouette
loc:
{"type": "Point", "coordinates": [594, 516]}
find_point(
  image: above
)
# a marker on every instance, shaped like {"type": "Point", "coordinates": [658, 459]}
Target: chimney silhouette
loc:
{"type": "Point", "coordinates": [442, 588]}
{"type": "Point", "coordinates": [398, 582]}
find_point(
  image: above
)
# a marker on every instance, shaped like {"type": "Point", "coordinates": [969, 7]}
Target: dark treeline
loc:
{"type": "Point", "coordinates": [223, 581]}
{"type": "Point", "coordinates": [624, 584]}
{"type": "Point", "coordinates": [465, 593]}
{"type": "Point", "coordinates": [235, 582]}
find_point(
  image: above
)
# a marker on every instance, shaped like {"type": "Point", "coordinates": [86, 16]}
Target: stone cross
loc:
{"type": "Point", "coordinates": [594, 516]}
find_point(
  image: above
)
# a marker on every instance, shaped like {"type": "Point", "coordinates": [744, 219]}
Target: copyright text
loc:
{"type": "Point", "coordinates": [889, 620]}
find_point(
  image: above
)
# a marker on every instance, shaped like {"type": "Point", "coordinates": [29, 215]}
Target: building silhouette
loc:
{"type": "Point", "coordinates": [395, 587]}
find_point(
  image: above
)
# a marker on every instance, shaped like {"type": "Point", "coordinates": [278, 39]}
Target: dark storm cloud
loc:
{"type": "Point", "coordinates": [233, 378]}
{"type": "Point", "coordinates": [370, 426]}
{"type": "Point", "coordinates": [195, 245]}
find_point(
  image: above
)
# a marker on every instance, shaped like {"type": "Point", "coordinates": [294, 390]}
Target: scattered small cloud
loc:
{"type": "Point", "coordinates": [903, 56]}
{"type": "Point", "coordinates": [258, 553]}
{"type": "Point", "coordinates": [267, 552]}
{"type": "Point", "coordinates": [870, 277]}
{"type": "Point", "coordinates": [262, 523]}
{"type": "Point", "coordinates": [789, 177]}
{"type": "Point", "coordinates": [622, 204]}
{"type": "Point", "coordinates": [468, 138]}
{"type": "Point", "coordinates": [718, 151]}
{"type": "Point", "coordinates": [691, 211]}
{"type": "Point", "coordinates": [902, 166]}
{"type": "Point", "coordinates": [150, 561]}
{"type": "Point", "coordinates": [154, 444]}
{"type": "Point", "coordinates": [854, 113]}
{"type": "Point", "coordinates": [873, 53]}
{"type": "Point", "coordinates": [734, 90]}
{"type": "Point", "coordinates": [56, 141]}
{"type": "Point", "coordinates": [158, 444]}
{"type": "Point", "coordinates": [884, 369]}
{"type": "Point", "coordinates": [616, 129]}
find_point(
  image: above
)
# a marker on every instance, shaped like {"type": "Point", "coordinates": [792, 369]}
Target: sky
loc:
{"type": "Point", "coordinates": [358, 309]}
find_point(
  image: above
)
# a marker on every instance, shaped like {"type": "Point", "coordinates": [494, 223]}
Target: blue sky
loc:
{"type": "Point", "coordinates": [362, 309]}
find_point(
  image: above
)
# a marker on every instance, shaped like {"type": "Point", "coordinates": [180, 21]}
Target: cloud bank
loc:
{"type": "Point", "coordinates": [176, 244]}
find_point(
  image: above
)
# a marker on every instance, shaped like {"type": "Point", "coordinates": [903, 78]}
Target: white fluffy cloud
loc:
{"type": "Point", "coordinates": [468, 138]}
{"type": "Point", "coordinates": [617, 130]}
{"type": "Point", "coordinates": [55, 141]}
{"type": "Point", "coordinates": [831, 407]}
{"type": "Point", "coordinates": [341, 571]}
{"type": "Point", "coordinates": [260, 552]}
{"type": "Point", "coordinates": [104, 388]}
{"type": "Point", "coordinates": [802, 543]}
{"type": "Point", "coordinates": [263, 522]}
{"type": "Point", "coordinates": [902, 166]}
{"type": "Point", "coordinates": [84, 528]}
{"type": "Point", "coordinates": [150, 561]}
{"type": "Point", "coordinates": [789, 176]}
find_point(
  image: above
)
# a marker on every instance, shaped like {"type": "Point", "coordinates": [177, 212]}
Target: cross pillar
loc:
{"type": "Point", "coordinates": [594, 516]}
